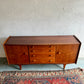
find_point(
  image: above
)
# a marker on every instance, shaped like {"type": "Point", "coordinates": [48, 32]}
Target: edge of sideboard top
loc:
{"type": "Point", "coordinates": [42, 40]}
{"type": "Point", "coordinates": [77, 39]}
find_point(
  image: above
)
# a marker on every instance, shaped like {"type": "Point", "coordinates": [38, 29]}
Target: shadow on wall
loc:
{"type": "Point", "coordinates": [2, 53]}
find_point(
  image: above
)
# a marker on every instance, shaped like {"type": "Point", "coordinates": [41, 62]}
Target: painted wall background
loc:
{"type": "Point", "coordinates": [41, 17]}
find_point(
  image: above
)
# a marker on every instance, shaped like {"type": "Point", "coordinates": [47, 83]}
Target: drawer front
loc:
{"type": "Point", "coordinates": [66, 53]}
{"type": "Point", "coordinates": [42, 47]}
{"type": "Point", "coordinates": [41, 51]}
{"type": "Point", "coordinates": [42, 60]}
{"type": "Point", "coordinates": [42, 54]}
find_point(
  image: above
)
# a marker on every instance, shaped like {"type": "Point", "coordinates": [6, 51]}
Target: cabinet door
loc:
{"type": "Point", "coordinates": [66, 53]}
{"type": "Point", "coordinates": [17, 54]}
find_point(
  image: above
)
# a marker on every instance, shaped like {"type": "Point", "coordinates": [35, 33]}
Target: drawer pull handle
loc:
{"type": "Point", "coordinates": [32, 50]}
{"type": "Point", "coordinates": [50, 46]}
{"type": "Point", "coordinates": [33, 55]}
{"type": "Point", "coordinates": [49, 50]}
{"type": "Point", "coordinates": [33, 60]}
{"type": "Point", "coordinates": [24, 53]}
{"type": "Point", "coordinates": [50, 55]}
{"type": "Point", "coordinates": [32, 46]}
{"type": "Point", "coordinates": [58, 52]}
{"type": "Point", "coordinates": [50, 60]}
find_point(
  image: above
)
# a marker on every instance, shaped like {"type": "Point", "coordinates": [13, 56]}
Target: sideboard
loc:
{"type": "Point", "coordinates": [23, 50]}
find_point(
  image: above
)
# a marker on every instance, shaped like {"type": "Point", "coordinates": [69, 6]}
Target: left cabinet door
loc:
{"type": "Point", "coordinates": [17, 54]}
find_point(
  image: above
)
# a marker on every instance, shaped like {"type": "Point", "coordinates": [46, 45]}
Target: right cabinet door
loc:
{"type": "Point", "coordinates": [66, 54]}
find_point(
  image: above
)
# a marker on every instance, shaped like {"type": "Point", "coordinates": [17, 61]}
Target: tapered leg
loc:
{"type": "Point", "coordinates": [20, 67]}
{"type": "Point", "coordinates": [64, 66]}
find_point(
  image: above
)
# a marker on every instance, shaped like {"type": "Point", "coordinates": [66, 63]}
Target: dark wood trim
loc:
{"type": "Point", "coordinates": [41, 40]}
{"type": "Point", "coordinates": [28, 54]}
{"type": "Point", "coordinates": [6, 40]}
{"type": "Point", "coordinates": [20, 67]}
{"type": "Point", "coordinates": [78, 53]}
{"type": "Point", "coordinates": [64, 65]}
{"type": "Point", "coordinates": [5, 48]}
{"type": "Point", "coordinates": [78, 48]}
{"type": "Point", "coordinates": [77, 39]}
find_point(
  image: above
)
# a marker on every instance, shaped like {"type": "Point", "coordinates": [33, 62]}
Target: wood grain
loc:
{"type": "Point", "coordinates": [42, 49]}
{"type": "Point", "coordinates": [42, 61]}
{"type": "Point", "coordinates": [66, 53]}
{"type": "Point", "coordinates": [17, 54]}
{"type": "Point", "coordinates": [41, 40]}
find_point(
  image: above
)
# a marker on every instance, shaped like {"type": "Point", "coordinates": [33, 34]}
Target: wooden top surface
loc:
{"type": "Point", "coordinates": [41, 40]}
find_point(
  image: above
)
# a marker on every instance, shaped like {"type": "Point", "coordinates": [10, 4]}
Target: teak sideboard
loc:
{"type": "Point", "coordinates": [23, 50]}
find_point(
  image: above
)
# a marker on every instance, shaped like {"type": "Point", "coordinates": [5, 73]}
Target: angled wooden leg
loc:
{"type": "Point", "coordinates": [20, 67]}
{"type": "Point", "coordinates": [64, 66]}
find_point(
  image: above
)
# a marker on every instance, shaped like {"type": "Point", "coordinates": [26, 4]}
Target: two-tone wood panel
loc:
{"type": "Point", "coordinates": [66, 54]}
{"type": "Point", "coordinates": [42, 54]}
{"type": "Point", "coordinates": [17, 54]}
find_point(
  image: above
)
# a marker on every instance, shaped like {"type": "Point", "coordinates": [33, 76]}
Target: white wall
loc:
{"type": "Point", "coordinates": [41, 17]}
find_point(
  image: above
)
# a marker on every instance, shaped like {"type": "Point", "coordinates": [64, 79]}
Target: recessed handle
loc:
{"type": "Point", "coordinates": [50, 46]}
{"type": "Point", "coordinates": [32, 50]}
{"type": "Point", "coordinates": [32, 46]}
{"type": "Point", "coordinates": [33, 55]}
{"type": "Point", "coordinates": [50, 50]}
{"type": "Point", "coordinates": [58, 52]}
{"type": "Point", "coordinates": [50, 60]}
{"type": "Point", "coordinates": [33, 60]}
{"type": "Point", "coordinates": [50, 55]}
{"type": "Point", "coordinates": [24, 53]}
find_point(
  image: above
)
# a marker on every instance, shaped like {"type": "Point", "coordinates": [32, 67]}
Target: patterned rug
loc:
{"type": "Point", "coordinates": [72, 76]}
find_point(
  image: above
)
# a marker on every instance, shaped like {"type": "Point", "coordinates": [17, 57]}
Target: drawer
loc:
{"type": "Point", "coordinates": [42, 55]}
{"type": "Point", "coordinates": [41, 51]}
{"type": "Point", "coordinates": [42, 61]}
{"type": "Point", "coordinates": [42, 47]}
